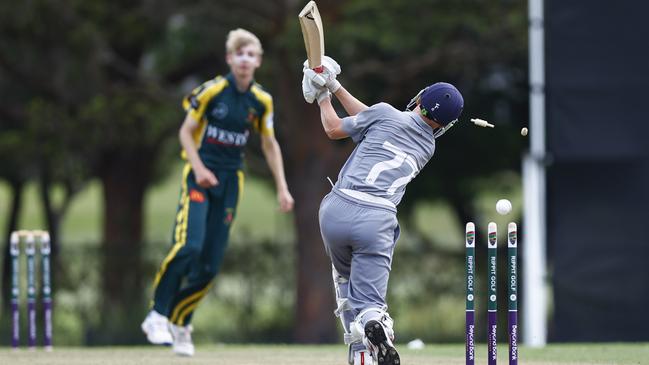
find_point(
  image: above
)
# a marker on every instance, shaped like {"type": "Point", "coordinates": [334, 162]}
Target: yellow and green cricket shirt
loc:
{"type": "Point", "coordinates": [226, 116]}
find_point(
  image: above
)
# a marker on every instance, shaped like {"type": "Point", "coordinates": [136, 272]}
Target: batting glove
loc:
{"type": "Point", "coordinates": [327, 77]}
{"type": "Point", "coordinates": [311, 91]}
{"type": "Point", "coordinates": [323, 94]}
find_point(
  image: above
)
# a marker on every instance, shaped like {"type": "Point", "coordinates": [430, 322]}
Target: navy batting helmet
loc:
{"type": "Point", "coordinates": [440, 102]}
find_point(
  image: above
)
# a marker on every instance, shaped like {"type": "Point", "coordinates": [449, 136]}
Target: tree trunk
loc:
{"type": "Point", "coordinates": [315, 322]}
{"type": "Point", "coordinates": [53, 223]}
{"type": "Point", "coordinates": [308, 163]}
{"type": "Point", "coordinates": [124, 183]}
{"type": "Point", "coordinates": [12, 224]}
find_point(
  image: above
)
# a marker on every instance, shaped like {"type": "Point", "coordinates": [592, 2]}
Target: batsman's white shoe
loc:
{"type": "Point", "coordinates": [380, 344]}
{"type": "Point", "coordinates": [362, 357]}
{"type": "Point", "coordinates": [182, 345]}
{"type": "Point", "coordinates": [156, 329]}
{"type": "Point", "coordinates": [359, 357]}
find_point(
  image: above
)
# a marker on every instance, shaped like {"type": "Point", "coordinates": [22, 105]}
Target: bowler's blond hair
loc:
{"type": "Point", "coordinates": [240, 38]}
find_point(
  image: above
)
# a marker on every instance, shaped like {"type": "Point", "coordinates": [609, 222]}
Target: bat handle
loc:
{"type": "Point", "coordinates": [319, 69]}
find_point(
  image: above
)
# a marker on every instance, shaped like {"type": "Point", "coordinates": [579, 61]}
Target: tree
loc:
{"type": "Point", "coordinates": [388, 51]}
{"type": "Point", "coordinates": [90, 108]}
{"type": "Point", "coordinates": [13, 171]}
{"type": "Point", "coordinates": [102, 82]}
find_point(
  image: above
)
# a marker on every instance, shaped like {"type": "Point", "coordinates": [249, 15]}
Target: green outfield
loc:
{"type": "Point", "coordinates": [257, 217]}
{"type": "Point", "coordinates": [314, 355]}
{"type": "Point", "coordinates": [230, 312]}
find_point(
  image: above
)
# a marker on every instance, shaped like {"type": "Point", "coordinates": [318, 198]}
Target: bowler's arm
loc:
{"type": "Point", "coordinates": [204, 177]}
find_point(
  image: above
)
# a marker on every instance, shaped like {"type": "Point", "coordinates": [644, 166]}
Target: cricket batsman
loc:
{"type": "Point", "coordinates": [358, 219]}
{"type": "Point", "coordinates": [221, 113]}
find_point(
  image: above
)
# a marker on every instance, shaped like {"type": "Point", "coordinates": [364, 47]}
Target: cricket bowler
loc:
{"type": "Point", "coordinates": [221, 113]}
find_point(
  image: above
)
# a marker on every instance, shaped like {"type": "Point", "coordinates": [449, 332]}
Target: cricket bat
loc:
{"type": "Point", "coordinates": [311, 24]}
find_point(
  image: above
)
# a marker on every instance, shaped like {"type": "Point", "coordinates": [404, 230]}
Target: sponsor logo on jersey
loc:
{"type": "Point", "coordinates": [193, 102]}
{"type": "Point", "coordinates": [220, 111]}
{"type": "Point", "coordinates": [216, 135]}
{"type": "Point", "coordinates": [252, 115]}
{"type": "Point", "coordinates": [196, 196]}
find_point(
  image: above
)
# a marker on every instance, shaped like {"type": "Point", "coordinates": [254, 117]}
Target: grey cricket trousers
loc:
{"type": "Point", "coordinates": [360, 239]}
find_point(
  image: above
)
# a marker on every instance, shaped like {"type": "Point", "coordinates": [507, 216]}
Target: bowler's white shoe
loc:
{"type": "Point", "coordinates": [182, 344]}
{"type": "Point", "coordinates": [156, 328]}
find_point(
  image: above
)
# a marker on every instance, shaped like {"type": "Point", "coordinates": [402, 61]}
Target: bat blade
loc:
{"type": "Point", "coordinates": [312, 32]}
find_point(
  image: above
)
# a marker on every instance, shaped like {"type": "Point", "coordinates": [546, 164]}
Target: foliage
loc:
{"type": "Point", "coordinates": [92, 89]}
{"type": "Point", "coordinates": [391, 49]}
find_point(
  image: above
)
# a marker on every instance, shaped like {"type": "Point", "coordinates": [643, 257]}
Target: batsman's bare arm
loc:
{"type": "Point", "coordinates": [331, 122]}
{"type": "Point", "coordinates": [204, 177]}
{"type": "Point", "coordinates": [352, 105]}
{"type": "Point", "coordinates": [273, 154]}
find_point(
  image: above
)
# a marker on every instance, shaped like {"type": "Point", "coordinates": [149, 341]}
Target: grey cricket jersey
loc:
{"type": "Point", "coordinates": [392, 148]}
{"type": "Point", "coordinates": [358, 218]}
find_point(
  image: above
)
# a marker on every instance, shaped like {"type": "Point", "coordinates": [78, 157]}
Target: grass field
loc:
{"type": "Point", "coordinates": [315, 355]}
{"type": "Point", "coordinates": [257, 217]}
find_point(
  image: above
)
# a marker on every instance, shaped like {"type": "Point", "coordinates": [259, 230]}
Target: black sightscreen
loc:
{"type": "Point", "coordinates": [597, 78]}
{"type": "Point", "coordinates": [597, 94]}
{"type": "Point", "coordinates": [597, 219]}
